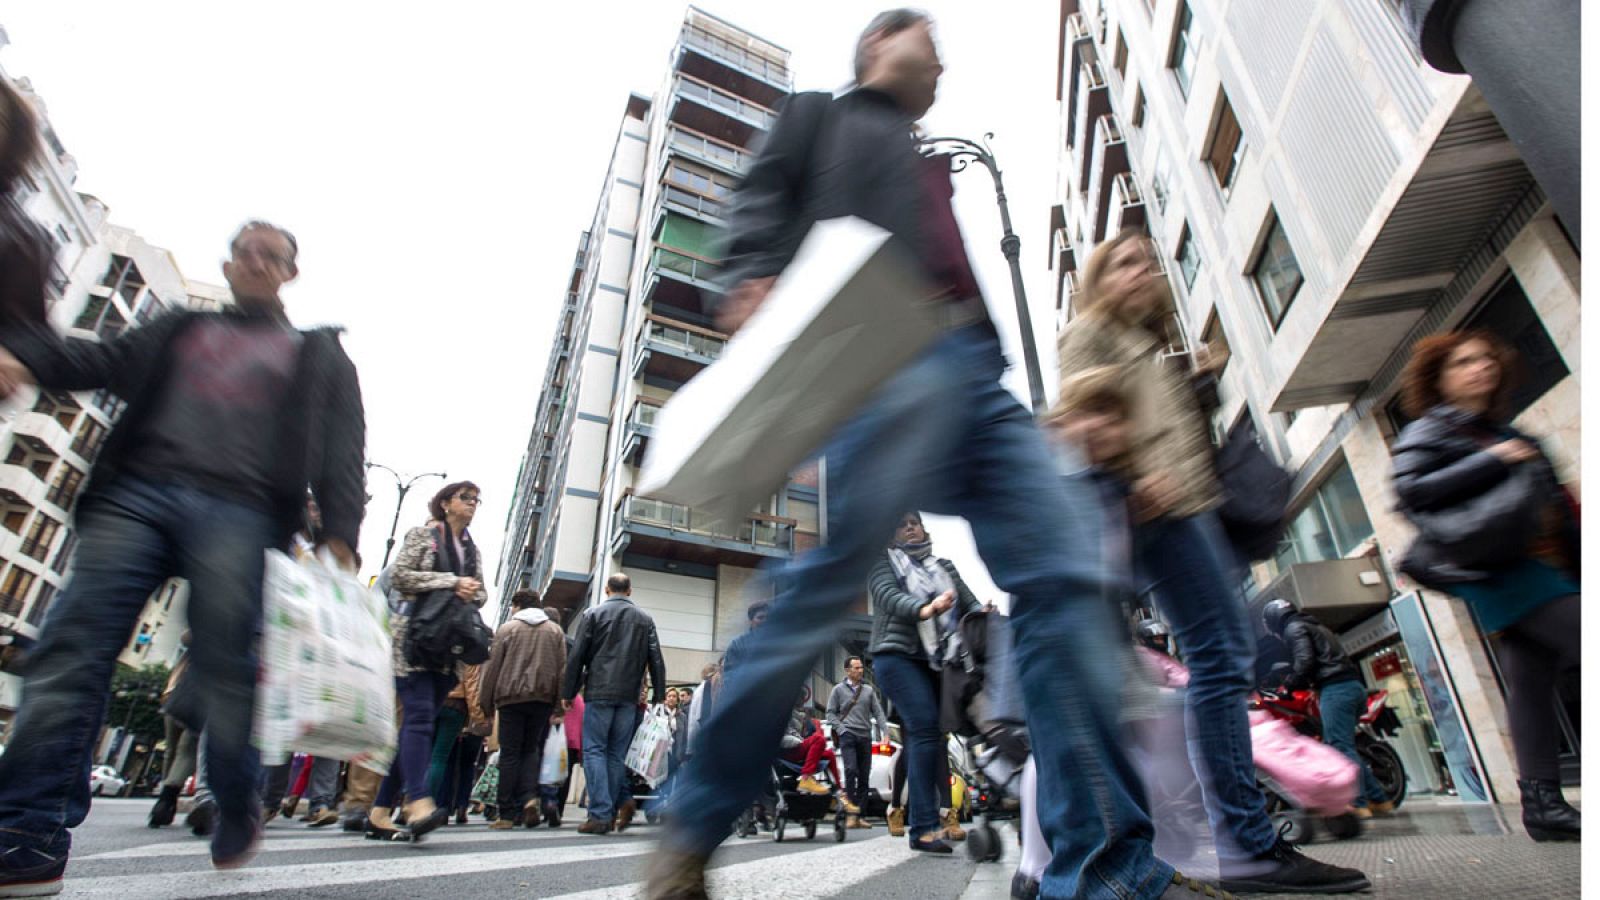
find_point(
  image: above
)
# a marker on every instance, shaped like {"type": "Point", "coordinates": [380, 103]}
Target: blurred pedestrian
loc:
{"type": "Point", "coordinates": [613, 646]}
{"type": "Point", "coordinates": [458, 735]}
{"type": "Point", "coordinates": [522, 685]}
{"type": "Point", "coordinates": [1180, 546]}
{"type": "Point", "coordinates": [178, 702]}
{"type": "Point", "coordinates": [1462, 469]}
{"type": "Point", "coordinates": [26, 249]}
{"type": "Point", "coordinates": [230, 416]}
{"type": "Point", "coordinates": [439, 558]}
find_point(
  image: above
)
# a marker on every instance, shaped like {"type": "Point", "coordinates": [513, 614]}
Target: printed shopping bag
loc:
{"type": "Point", "coordinates": [647, 755]}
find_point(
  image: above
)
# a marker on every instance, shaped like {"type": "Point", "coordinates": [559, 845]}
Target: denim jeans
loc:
{"type": "Point", "coordinates": [133, 535]}
{"type": "Point", "coordinates": [320, 788]}
{"type": "Point", "coordinates": [914, 690]}
{"type": "Point", "coordinates": [943, 436]}
{"type": "Point", "coordinates": [1198, 585]}
{"type": "Point", "coordinates": [420, 695]}
{"type": "Point", "coordinates": [1342, 704]}
{"type": "Point", "coordinates": [607, 731]}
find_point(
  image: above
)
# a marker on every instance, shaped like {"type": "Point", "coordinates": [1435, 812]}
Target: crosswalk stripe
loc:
{"type": "Point", "coordinates": [407, 863]}
{"type": "Point", "coordinates": [324, 841]}
{"type": "Point", "coordinates": [824, 872]}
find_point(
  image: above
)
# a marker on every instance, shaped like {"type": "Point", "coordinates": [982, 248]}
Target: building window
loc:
{"type": "Point", "coordinates": [15, 518]}
{"type": "Point", "coordinates": [1138, 107]}
{"type": "Point", "coordinates": [1185, 47]}
{"type": "Point", "coordinates": [64, 555]}
{"type": "Point", "coordinates": [1119, 55]}
{"type": "Point", "coordinates": [1161, 179]}
{"type": "Point", "coordinates": [14, 590]}
{"type": "Point", "coordinates": [1332, 525]}
{"type": "Point", "coordinates": [1508, 313]}
{"type": "Point", "coordinates": [41, 603]}
{"type": "Point", "coordinates": [1216, 341]}
{"type": "Point", "coordinates": [1276, 273]}
{"type": "Point", "coordinates": [1188, 258]}
{"type": "Point", "coordinates": [43, 533]}
{"type": "Point", "coordinates": [1226, 147]}
{"type": "Point", "coordinates": [89, 439]}
{"type": "Point", "coordinates": [64, 491]}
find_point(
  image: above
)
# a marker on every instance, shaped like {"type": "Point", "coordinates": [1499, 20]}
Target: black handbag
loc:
{"type": "Point", "coordinates": [1492, 530]}
{"type": "Point", "coordinates": [443, 629]}
{"type": "Point", "coordinates": [1255, 492]}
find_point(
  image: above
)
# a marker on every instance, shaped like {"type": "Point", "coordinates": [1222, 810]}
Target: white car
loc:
{"type": "Point", "coordinates": [104, 780]}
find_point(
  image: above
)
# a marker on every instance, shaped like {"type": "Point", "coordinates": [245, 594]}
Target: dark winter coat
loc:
{"type": "Point", "coordinates": [612, 645]}
{"type": "Point", "coordinates": [894, 612]}
{"type": "Point", "coordinates": [1316, 657]}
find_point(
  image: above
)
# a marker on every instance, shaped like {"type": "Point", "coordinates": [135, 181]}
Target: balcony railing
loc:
{"type": "Point", "coordinates": [756, 531]}
{"type": "Point", "coordinates": [701, 92]}
{"type": "Point", "coordinates": [711, 151]}
{"type": "Point", "coordinates": [1077, 28]}
{"type": "Point", "coordinates": [719, 48]}
{"type": "Point", "coordinates": [644, 414]}
{"type": "Point", "coordinates": [684, 264]}
{"type": "Point", "coordinates": [690, 202]}
{"type": "Point", "coordinates": [661, 332]}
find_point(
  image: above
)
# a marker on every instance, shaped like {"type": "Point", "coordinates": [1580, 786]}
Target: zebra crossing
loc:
{"type": "Point", "coordinates": [116, 857]}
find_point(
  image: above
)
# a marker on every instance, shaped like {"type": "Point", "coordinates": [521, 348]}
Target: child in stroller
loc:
{"type": "Point", "coordinates": [797, 794]}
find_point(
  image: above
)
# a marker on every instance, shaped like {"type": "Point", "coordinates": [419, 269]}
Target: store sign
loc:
{"type": "Point", "coordinates": [1439, 690]}
{"type": "Point", "coordinates": [1369, 633]}
{"type": "Point", "coordinates": [1386, 665]}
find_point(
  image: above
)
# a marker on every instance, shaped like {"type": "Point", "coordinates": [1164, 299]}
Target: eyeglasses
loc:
{"type": "Point", "coordinates": [244, 252]}
{"type": "Point", "coordinates": [470, 499]}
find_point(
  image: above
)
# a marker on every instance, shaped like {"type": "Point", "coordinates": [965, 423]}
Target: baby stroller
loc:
{"type": "Point", "coordinates": [978, 704]}
{"type": "Point", "coordinates": [803, 809]}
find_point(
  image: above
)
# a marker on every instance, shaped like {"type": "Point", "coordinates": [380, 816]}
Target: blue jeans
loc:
{"type": "Point", "coordinates": [607, 731]}
{"type": "Point", "coordinates": [1342, 704]}
{"type": "Point", "coordinates": [943, 436]}
{"type": "Point", "coordinates": [420, 695]}
{"type": "Point", "coordinates": [1198, 587]}
{"type": "Point", "coordinates": [914, 690]}
{"type": "Point", "coordinates": [135, 534]}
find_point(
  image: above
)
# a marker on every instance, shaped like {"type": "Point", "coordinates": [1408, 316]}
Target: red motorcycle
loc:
{"type": "Point", "coordinates": [1377, 723]}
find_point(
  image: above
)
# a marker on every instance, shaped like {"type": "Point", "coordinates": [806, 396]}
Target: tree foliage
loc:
{"type": "Point", "coordinates": [138, 691]}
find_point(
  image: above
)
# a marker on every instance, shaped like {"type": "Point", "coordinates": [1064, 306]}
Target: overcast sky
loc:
{"type": "Point", "coordinates": [438, 162]}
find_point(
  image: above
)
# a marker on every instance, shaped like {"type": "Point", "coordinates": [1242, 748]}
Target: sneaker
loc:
{"type": "Point", "coordinates": [674, 875]}
{"type": "Point", "coordinates": [321, 817]}
{"type": "Point", "coordinates": [289, 806]}
{"type": "Point", "coordinates": [897, 822]}
{"type": "Point", "coordinates": [26, 872]}
{"type": "Point", "coordinates": [810, 785]}
{"type": "Point", "coordinates": [1181, 888]}
{"type": "Point", "coordinates": [1285, 870]}
{"type": "Point", "coordinates": [202, 820]}
{"type": "Point", "coordinates": [931, 843]}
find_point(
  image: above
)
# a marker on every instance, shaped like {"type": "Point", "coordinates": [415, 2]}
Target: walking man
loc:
{"type": "Point", "coordinates": [522, 682]}
{"type": "Point", "coordinates": [230, 416]}
{"type": "Point", "coordinates": [856, 717]}
{"type": "Point", "coordinates": [612, 646]}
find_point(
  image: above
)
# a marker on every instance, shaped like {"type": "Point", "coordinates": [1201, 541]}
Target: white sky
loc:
{"type": "Point", "coordinates": [438, 162]}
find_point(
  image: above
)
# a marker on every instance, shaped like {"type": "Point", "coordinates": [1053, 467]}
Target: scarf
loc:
{"type": "Point", "coordinates": [924, 577]}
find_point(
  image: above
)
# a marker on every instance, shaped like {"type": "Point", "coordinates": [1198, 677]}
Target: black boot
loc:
{"type": "Point", "coordinates": [1546, 814]}
{"type": "Point", "coordinates": [166, 808]}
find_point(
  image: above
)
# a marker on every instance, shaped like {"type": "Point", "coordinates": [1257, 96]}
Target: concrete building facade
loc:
{"type": "Point", "coordinates": [1321, 199]}
{"type": "Point", "coordinates": [635, 325]}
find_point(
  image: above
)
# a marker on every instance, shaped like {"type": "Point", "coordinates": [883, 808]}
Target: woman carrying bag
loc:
{"type": "Point", "coordinates": [1495, 528]}
{"type": "Point", "coordinates": [438, 558]}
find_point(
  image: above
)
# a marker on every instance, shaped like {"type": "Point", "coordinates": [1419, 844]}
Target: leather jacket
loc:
{"type": "Point", "coordinates": [1316, 655]}
{"type": "Point", "coordinates": [612, 645]}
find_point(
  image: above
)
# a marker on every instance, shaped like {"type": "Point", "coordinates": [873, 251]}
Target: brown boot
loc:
{"type": "Point", "coordinates": [952, 827]}
{"type": "Point", "coordinates": [897, 822]}
{"type": "Point", "coordinates": [625, 816]}
{"type": "Point", "coordinates": [674, 875]}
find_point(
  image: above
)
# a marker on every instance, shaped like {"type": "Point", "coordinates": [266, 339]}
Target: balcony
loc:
{"type": "Point", "coordinates": [1079, 54]}
{"type": "Point", "coordinates": [675, 351]}
{"type": "Point", "coordinates": [1093, 101]}
{"type": "Point", "coordinates": [1127, 205]}
{"type": "Point", "coordinates": [20, 485]}
{"type": "Point", "coordinates": [641, 424]}
{"type": "Point", "coordinates": [1108, 158]}
{"type": "Point", "coordinates": [695, 206]}
{"type": "Point", "coordinates": [41, 433]}
{"type": "Point", "coordinates": [679, 280]}
{"type": "Point", "coordinates": [717, 113]}
{"type": "Point", "coordinates": [739, 69]}
{"type": "Point", "coordinates": [662, 530]}
{"type": "Point", "coordinates": [713, 152]}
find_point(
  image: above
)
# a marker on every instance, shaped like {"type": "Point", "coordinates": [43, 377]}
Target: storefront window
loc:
{"type": "Point", "coordinates": [1332, 525]}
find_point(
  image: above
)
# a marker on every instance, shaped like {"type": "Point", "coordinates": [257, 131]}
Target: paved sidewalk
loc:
{"type": "Point", "coordinates": [1431, 850]}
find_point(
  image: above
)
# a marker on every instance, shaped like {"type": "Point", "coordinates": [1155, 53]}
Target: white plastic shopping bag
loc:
{"type": "Point", "coordinates": [326, 685]}
{"type": "Point", "coordinates": [553, 766]}
{"type": "Point", "coordinates": [652, 743]}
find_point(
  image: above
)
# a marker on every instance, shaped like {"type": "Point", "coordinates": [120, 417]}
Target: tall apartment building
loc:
{"type": "Point", "coordinates": [1321, 199]}
{"type": "Point", "coordinates": [106, 279]}
{"type": "Point", "coordinates": [634, 327]}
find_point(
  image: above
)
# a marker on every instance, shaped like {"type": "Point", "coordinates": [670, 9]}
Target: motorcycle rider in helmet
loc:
{"type": "Point", "coordinates": [1320, 663]}
{"type": "Point", "coordinates": [1155, 635]}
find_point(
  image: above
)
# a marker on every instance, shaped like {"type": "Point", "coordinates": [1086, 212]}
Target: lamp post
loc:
{"type": "Point", "coordinates": [404, 485]}
{"type": "Point", "coordinates": [962, 152]}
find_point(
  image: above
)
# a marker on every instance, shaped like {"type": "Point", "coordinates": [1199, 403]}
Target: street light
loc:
{"type": "Point", "coordinates": [404, 484]}
{"type": "Point", "coordinates": [961, 152]}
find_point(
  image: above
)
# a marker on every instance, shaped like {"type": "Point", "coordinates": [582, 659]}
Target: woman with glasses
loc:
{"type": "Point", "coordinates": [439, 556]}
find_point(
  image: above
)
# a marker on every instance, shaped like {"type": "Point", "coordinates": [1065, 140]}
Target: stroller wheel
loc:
{"type": "Point", "coordinates": [1342, 827]}
{"type": "Point", "coordinates": [811, 829]}
{"type": "Point", "coordinates": [838, 831]}
{"type": "Point", "coordinates": [777, 829]}
{"type": "Point", "coordinates": [983, 844]}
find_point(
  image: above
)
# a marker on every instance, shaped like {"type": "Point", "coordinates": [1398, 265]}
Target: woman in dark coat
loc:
{"type": "Point", "coordinates": [1453, 471]}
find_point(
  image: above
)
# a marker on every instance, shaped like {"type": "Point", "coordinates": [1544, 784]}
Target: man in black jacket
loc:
{"type": "Point", "coordinates": [612, 645]}
{"type": "Point", "coordinates": [230, 417]}
{"type": "Point", "coordinates": [944, 436]}
{"type": "Point", "coordinates": [1318, 662]}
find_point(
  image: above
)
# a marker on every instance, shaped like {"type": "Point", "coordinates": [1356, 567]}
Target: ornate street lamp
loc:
{"type": "Point", "coordinates": [962, 152]}
{"type": "Point", "coordinates": [404, 485]}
